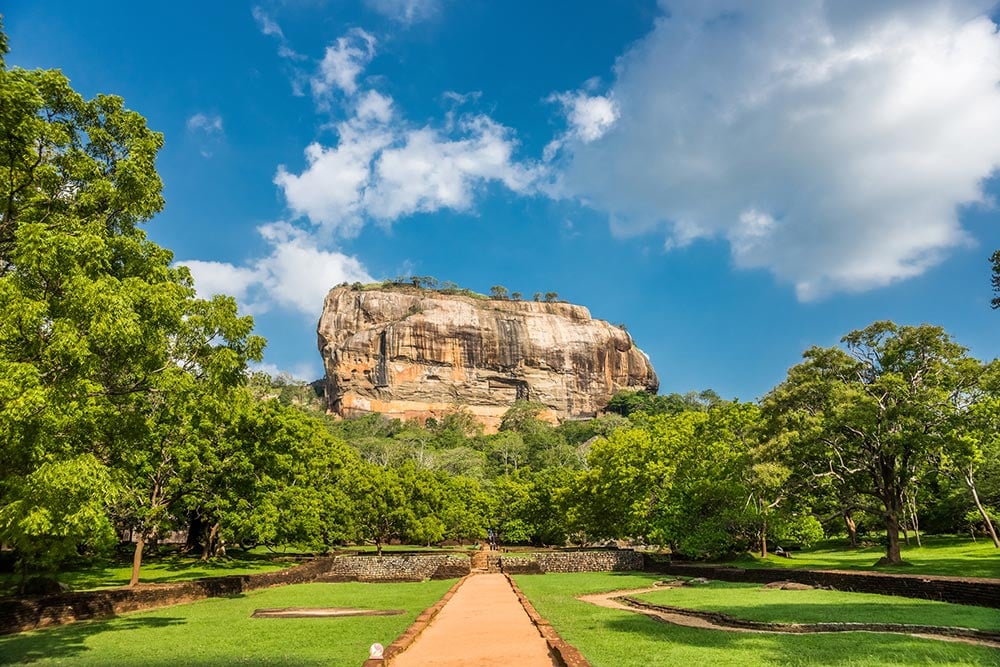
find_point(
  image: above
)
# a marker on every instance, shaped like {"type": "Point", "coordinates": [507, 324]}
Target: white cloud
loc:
{"type": "Point", "coordinates": [383, 169]}
{"type": "Point", "coordinates": [270, 27]}
{"type": "Point", "coordinates": [405, 11]}
{"type": "Point", "coordinates": [296, 275]}
{"type": "Point", "coordinates": [213, 278]}
{"type": "Point", "coordinates": [209, 124]}
{"type": "Point", "coordinates": [207, 130]}
{"type": "Point", "coordinates": [830, 143]}
{"type": "Point", "coordinates": [428, 172]}
{"type": "Point", "coordinates": [304, 371]}
{"type": "Point", "coordinates": [342, 64]}
{"type": "Point", "coordinates": [588, 118]}
{"type": "Point", "coordinates": [266, 24]}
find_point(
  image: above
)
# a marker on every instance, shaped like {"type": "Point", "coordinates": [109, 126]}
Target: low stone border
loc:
{"type": "Point", "coordinates": [410, 635]}
{"type": "Point", "coordinates": [725, 620]}
{"type": "Point", "coordinates": [958, 590]}
{"type": "Point", "coordinates": [565, 653]}
{"type": "Point", "coordinates": [30, 613]}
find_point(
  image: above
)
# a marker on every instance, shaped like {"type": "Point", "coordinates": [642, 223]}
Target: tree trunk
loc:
{"type": "Point", "coordinates": [209, 548]}
{"type": "Point", "coordinates": [982, 512]}
{"type": "Point", "coordinates": [852, 529]}
{"type": "Point", "coordinates": [763, 539]}
{"type": "Point", "coordinates": [137, 559]}
{"type": "Point", "coordinates": [893, 554]}
{"type": "Point", "coordinates": [915, 520]}
{"type": "Point", "coordinates": [195, 529]}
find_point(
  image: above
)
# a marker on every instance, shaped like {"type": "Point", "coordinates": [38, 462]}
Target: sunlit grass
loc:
{"type": "Point", "coordinates": [219, 631]}
{"type": "Point", "coordinates": [952, 556]}
{"type": "Point", "coordinates": [756, 603]}
{"type": "Point", "coordinates": [162, 569]}
{"type": "Point", "coordinates": [612, 638]}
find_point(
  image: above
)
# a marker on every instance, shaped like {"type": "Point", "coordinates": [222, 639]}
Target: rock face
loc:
{"type": "Point", "coordinates": [406, 352]}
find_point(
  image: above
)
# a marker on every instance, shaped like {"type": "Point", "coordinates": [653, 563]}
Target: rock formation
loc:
{"type": "Point", "coordinates": [409, 352]}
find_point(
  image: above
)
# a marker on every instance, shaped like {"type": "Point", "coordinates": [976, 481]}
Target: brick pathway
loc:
{"type": "Point", "coordinates": [481, 626]}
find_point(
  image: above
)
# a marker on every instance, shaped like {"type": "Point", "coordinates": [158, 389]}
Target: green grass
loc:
{"type": "Point", "coordinates": [755, 603]}
{"type": "Point", "coordinates": [612, 638]}
{"type": "Point", "coordinates": [220, 631]}
{"type": "Point", "coordinates": [160, 570]}
{"type": "Point", "coordinates": [952, 556]}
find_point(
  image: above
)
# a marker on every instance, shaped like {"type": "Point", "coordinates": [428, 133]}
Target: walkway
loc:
{"type": "Point", "coordinates": [708, 621]}
{"type": "Point", "coordinates": [481, 626]}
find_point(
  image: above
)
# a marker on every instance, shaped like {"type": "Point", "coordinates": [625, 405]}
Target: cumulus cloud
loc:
{"type": "Point", "coordinates": [588, 118]}
{"type": "Point", "coordinates": [405, 11]}
{"type": "Point", "coordinates": [831, 143]}
{"type": "Point", "coordinates": [382, 168]}
{"type": "Point", "coordinates": [342, 64]}
{"type": "Point", "coordinates": [296, 275]}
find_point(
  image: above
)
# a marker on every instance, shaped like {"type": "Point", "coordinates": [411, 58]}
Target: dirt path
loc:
{"type": "Point", "coordinates": [611, 601]}
{"type": "Point", "coordinates": [481, 626]}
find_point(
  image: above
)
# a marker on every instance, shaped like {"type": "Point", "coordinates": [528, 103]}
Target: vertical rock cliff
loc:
{"type": "Point", "coordinates": [407, 352]}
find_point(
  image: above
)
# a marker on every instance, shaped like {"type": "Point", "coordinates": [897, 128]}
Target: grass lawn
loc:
{"type": "Point", "coordinates": [160, 570]}
{"type": "Point", "coordinates": [755, 603]}
{"type": "Point", "coordinates": [219, 631]}
{"type": "Point", "coordinates": [611, 638]}
{"type": "Point", "coordinates": [953, 556]}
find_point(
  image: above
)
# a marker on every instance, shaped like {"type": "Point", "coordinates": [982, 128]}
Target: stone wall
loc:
{"type": "Point", "coordinates": [958, 590]}
{"type": "Point", "coordinates": [20, 614]}
{"type": "Point", "coordinates": [398, 567]}
{"type": "Point", "coordinates": [574, 561]}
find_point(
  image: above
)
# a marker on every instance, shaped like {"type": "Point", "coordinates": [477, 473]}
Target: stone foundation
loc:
{"type": "Point", "coordinates": [397, 568]}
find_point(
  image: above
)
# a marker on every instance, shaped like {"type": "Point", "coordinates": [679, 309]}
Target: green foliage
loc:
{"type": "Point", "coordinates": [872, 416]}
{"type": "Point", "coordinates": [626, 403]}
{"type": "Point", "coordinates": [59, 509]}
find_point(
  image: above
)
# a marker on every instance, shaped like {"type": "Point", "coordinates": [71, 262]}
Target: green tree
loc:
{"type": "Point", "coordinates": [106, 342]}
{"type": "Point", "coordinates": [498, 292]}
{"type": "Point", "coordinates": [878, 410]}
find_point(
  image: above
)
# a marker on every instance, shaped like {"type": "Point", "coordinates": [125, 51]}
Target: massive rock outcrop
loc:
{"type": "Point", "coordinates": [408, 352]}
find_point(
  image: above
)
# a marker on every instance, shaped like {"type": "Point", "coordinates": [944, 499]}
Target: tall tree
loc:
{"type": "Point", "coordinates": [105, 342]}
{"type": "Point", "coordinates": [878, 409]}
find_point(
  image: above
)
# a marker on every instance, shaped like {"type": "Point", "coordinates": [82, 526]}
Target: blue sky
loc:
{"type": "Point", "coordinates": [733, 183]}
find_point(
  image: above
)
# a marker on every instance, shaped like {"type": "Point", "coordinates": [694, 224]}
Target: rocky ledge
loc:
{"type": "Point", "coordinates": [417, 353]}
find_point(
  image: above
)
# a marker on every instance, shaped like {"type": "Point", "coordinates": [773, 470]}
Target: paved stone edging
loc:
{"type": "Point", "coordinates": [411, 633]}
{"type": "Point", "coordinates": [727, 621]}
{"type": "Point", "coordinates": [567, 654]}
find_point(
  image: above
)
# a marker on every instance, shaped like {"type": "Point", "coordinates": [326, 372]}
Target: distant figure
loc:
{"type": "Point", "coordinates": [492, 537]}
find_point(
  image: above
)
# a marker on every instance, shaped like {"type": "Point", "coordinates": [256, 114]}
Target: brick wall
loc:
{"type": "Point", "coordinates": [959, 590]}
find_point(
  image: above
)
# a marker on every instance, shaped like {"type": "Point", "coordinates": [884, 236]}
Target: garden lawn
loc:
{"type": "Point", "coordinates": [756, 603]}
{"type": "Point", "coordinates": [612, 638]}
{"type": "Point", "coordinates": [219, 631]}
{"type": "Point", "coordinates": [950, 556]}
{"type": "Point", "coordinates": [159, 570]}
